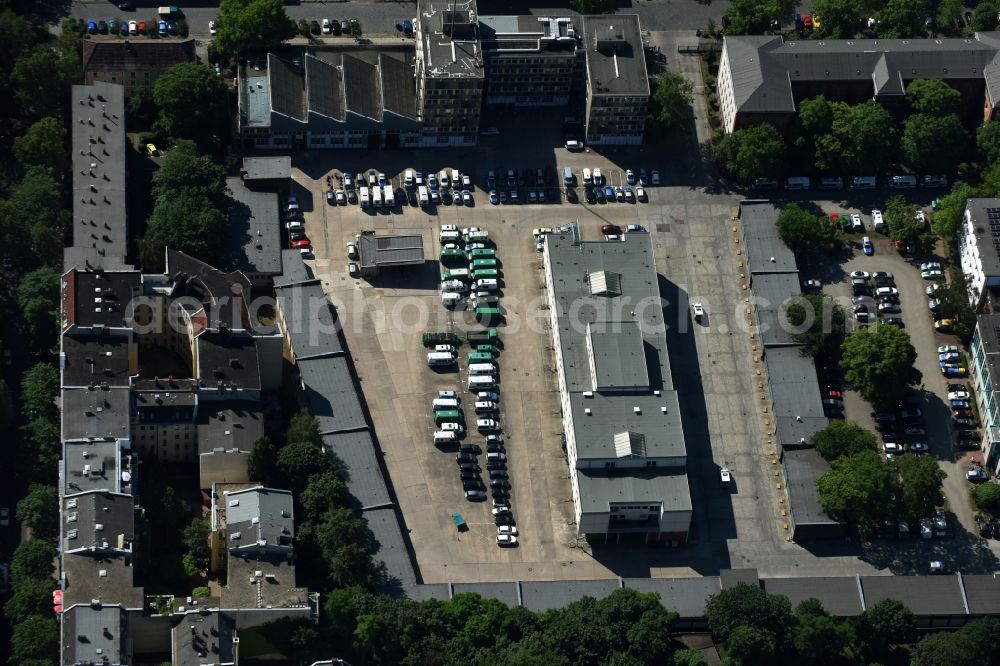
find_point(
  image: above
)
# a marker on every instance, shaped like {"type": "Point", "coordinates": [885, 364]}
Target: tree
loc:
{"type": "Point", "coordinates": [984, 16]}
{"type": "Point", "coordinates": [899, 19]}
{"type": "Point", "coordinates": [324, 492]}
{"type": "Point", "coordinates": [195, 537]}
{"type": "Point", "coordinates": [184, 170]}
{"type": "Point", "coordinates": [190, 565]}
{"type": "Point", "coordinates": [749, 646]}
{"type": "Point", "coordinates": [856, 488]}
{"type": "Point", "coordinates": [901, 217]}
{"type": "Point", "coordinates": [670, 104]}
{"type": "Point", "coordinates": [42, 79]}
{"type": "Point", "coordinates": [937, 143]}
{"type": "Point", "coordinates": [6, 405]}
{"type": "Point", "coordinates": [987, 497]}
{"type": "Point", "coordinates": [953, 303]}
{"type": "Point", "coordinates": [297, 461]}
{"type": "Point", "coordinates": [35, 637]}
{"type": "Point", "coordinates": [747, 605]}
{"type": "Point", "coordinates": [878, 362]}
{"type": "Point", "coordinates": [187, 223]}
{"type": "Point", "coordinates": [933, 97]}
{"type": "Point", "coordinates": [34, 214]}
{"type": "Point", "coordinates": [39, 510]}
{"type": "Point", "coordinates": [988, 141]}
{"type": "Point", "coordinates": [819, 324]}
{"type": "Point", "coordinates": [303, 427]}
{"type": "Point", "coordinates": [201, 592]}
{"type": "Point", "coordinates": [754, 17]}
{"type": "Point", "coordinates": [951, 208]}
{"type": "Point", "coordinates": [754, 152]}
{"type": "Point", "coordinates": [342, 538]}
{"type": "Point", "coordinates": [262, 464]}
{"type": "Point", "coordinates": [843, 438]}
{"type": "Point", "coordinates": [594, 6]}
{"type": "Point", "coordinates": [868, 136]}
{"type": "Point", "coordinates": [804, 232]}
{"type": "Point", "coordinates": [972, 645]}
{"type": "Point", "coordinates": [32, 559]}
{"type": "Point", "coordinates": [44, 145]}
{"type": "Point", "coordinates": [841, 18]}
{"type": "Point", "coordinates": [251, 24]}
{"type": "Point", "coordinates": [920, 481]}
{"type": "Point", "coordinates": [15, 36]}
{"type": "Point", "coordinates": [192, 101]}
{"type": "Point", "coordinates": [40, 325]}
{"type": "Point", "coordinates": [31, 595]}
{"type": "Point", "coordinates": [886, 624]}
{"type": "Point", "coordinates": [688, 658]}
{"type": "Point", "coordinates": [949, 15]}
{"type": "Point", "coordinates": [39, 387]}
{"type": "Point", "coordinates": [819, 638]}
{"type": "Point", "coordinates": [40, 283]}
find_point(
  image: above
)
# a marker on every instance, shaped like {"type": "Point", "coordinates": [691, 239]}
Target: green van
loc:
{"type": "Point", "coordinates": [484, 273]}
{"type": "Point", "coordinates": [462, 274]}
{"type": "Point", "coordinates": [452, 256]}
{"type": "Point", "coordinates": [448, 416]}
{"type": "Point", "coordinates": [480, 357]}
{"type": "Point", "coordinates": [486, 349]}
{"type": "Point", "coordinates": [483, 253]}
{"type": "Point", "coordinates": [488, 315]}
{"type": "Point", "coordinates": [483, 263]}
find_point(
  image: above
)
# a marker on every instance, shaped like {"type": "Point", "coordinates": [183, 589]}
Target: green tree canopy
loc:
{"type": "Point", "coordinates": [184, 170]}
{"type": "Point", "coordinates": [984, 16]}
{"type": "Point", "coordinates": [44, 145]}
{"type": "Point", "coordinates": [342, 538]}
{"type": "Point", "coordinates": [753, 152]}
{"type": "Point", "coordinates": [933, 97]}
{"type": "Point", "coordinates": [899, 19]}
{"type": "Point", "coordinates": [245, 25]}
{"type": "Point", "coordinates": [32, 560]}
{"type": "Point", "coordinates": [303, 427]}
{"type": "Point", "coordinates": [949, 16]}
{"type": "Point", "coordinates": [819, 638]}
{"type": "Point", "coordinates": [6, 405]}
{"type": "Point", "coordinates": [868, 136]}
{"type": "Point", "coordinates": [804, 232]}
{"type": "Point", "coordinates": [297, 461]}
{"type": "Point", "coordinates": [972, 645]}
{"type": "Point", "coordinates": [841, 19]}
{"type": "Point", "coordinates": [857, 488]}
{"type": "Point", "coordinates": [886, 624]}
{"type": "Point", "coordinates": [35, 640]}
{"type": "Point", "coordinates": [324, 492]}
{"type": "Point", "coordinates": [193, 103]}
{"type": "Point", "coordinates": [920, 481]}
{"type": "Point", "coordinates": [42, 282]}
{"type": "Point", "coordinates": [39, 510]}
{"type": "Point", "coordinates": [935, 143]}
{"type": "Point", "coordinates": [42, 79]}
{"type": "Point", "coordinates": [195, 537]}
{"type": "Point", "coordinates": [34, 220]}
{"type": "Point", "coordinates": [754, 17]}
{"type": "Point", "coordinates": [31, 595]}
{"type": "Point", "coordinates": [39, 324]}
{"type": "Point", "coordinates": [878, 362]}
{"type": "Point", "coordinates": [187, 223]}
{"type": "Point", "coordinates": [39, 386]}
{"type": "Point", "coordinates": [951, 209]}
{"type": "Point", "coordinates": [747, 605]}
{"type": "Point", "coordinates": [901, 216]}
{"type": "Point", "coordinates": [820, 324]}
{"type": "Point", "coordinates": [987, 497]}
{"type": "Point", "coordinates": [988, 141]}
{"type": "Point", "coordinates": [843, 438]}
{"type": "Point", "coordinates": [670, 104]}
{"type": "Point", "coordinates": [15, 36]}
{"type": "Point", "coordinates": [262, 464]}
{"type": "Point", "coordinates": [688, 658]}
{"type": "Point", "coordinates": [750, 646]}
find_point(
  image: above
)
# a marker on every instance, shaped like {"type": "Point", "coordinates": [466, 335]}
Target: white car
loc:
{"type": "Point", "coordinates": [467, 197]}
{"type": "Point", "coordinates": [507, 529]}
{"type": "Point", "coordinates": [655, 177]}
{"type": "Point", "coordinates": [327, 29]}
{"type": "Point", "coordinates": [353, 270]}
{"type": "Point", "coordinates": [468, 230]}
{"type": "Point", "coordinates": [133, 28]}
{"type": "Point", "coordinates": [454, 285]}
{"type": "Point", "coordinates": [640, 194]}
{"type": "Point", "coordinates": [448, 227]}
{"type": "Point", "coordinates": [598, 178]}
{"type": "Point", "coordinates": [958, 395]}
{"type": "Point", "coordinates": [466, 182]}
{"type": "Point", "coordinates": [540, 231]}
{"type": "Point", "coordinates": [448, 394]}
{"type": "Point", "coordinates": [500, 508]}
{"type": "Point", "coordinates": [457, 427]}
{"type": "Point", "coordinates": [506, 540]}
{"type": "Point", "coordinates": [860, 275]}
{"type": "Point", "coordinates": [352, 251]}
{"type": "Point", "coordinates": [892, 447]}
{"type": "Point", "coordinates": [944, 349]}
{"type": "Point", "coordinates": [699, 311]}
{"type": "Point", "coordinates": [211, 27]}
{"type": "Point", "coordinates": [725, 476]}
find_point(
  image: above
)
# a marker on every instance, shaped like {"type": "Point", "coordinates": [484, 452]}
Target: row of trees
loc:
{"type": "Point", "coordinates": [35, 640]}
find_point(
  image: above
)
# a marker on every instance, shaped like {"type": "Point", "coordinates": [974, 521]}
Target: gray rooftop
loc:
{"type": "Point", "coordinates": [598, 489]}
{"type": "Point", "coordinates": [325, 88]}
{"type": "Point", "coordinates": [363, 87]}
{"type": "Point", "coordinates": [449, 31]}
{"type": "Point", "coordinates": [98, 138]}
{"type": "Point", "coordinates": [541, 596]}
{"type": "Point", "coordinates": [841, 596]}
{"type": "Point", "coordinates": [985, 218]}
{"type": "Point", "coordinates": [764, 250]}
{"type": "Point", "coordinates": [95, 635]}
{"type": "Point", "coordinates": [91, 298]}
{"type": "Point", "coordinates": [924, 595]}
{"type": "Point", "coordinates": [98, 413]}
{"type": "Point", "coordinates": [228, 358]}
{"type": "Point", "coordinates": [274, 587]}
{"type": "Point", "coordinates": [390, 550]}
{"type": "Point", "coordinates": [221, 294]}
{"type": "Point", "coordinates": [92, 357]}
{"type": "Point", "coordinates": [517, 35]}
{"type": "Point", "coordinates": [983, 593]}
{"type": "Point", "coordinates": [200, 634]}
{"type": "Point", "coordinates": [798, 410]}
{"type": "Point", "coordinates": [293, 269]}
{"type": "Point", "coordinates": [99, 521]}
{"type": "Point", "coordinates": [88, 257]}
{"type": "Point", "coordinates": [255, 98]}
{"type": "Point", "coordinates": [399, 93]}
{"type": "Point", "coordinates": [355, 452]}
{"type": "Point", "coordinates": [331, 394]}
{"type": "Point", "coordinates": [227, 425]}
{"type": "Point", "coordinates": [686, 596]}
{"type": "Point", "coordinates": [802, 468]}
{"type": "Point", "coordinates": [311, 324]}
{"type": "Point", "coordinates": [505, 592]}
{"type": "Point", "coordinates": [164, 400]}
{"type": "Point", "coordinates": [277, 167]}
{"type": "Point", "coordinates": [617, 357]}
{"type": "Point", "coordinates": [616, 63]}
{"type": "Point", "coordinates": [106, 467]}
{"type": "Point", "coordinates": [259, 515]}
{"type": "Point", "coordinates": [105, 578]}
{"type": "Point", "coordinates": [288, 88]}
{"type": "Point", "coordinates": [772, 294]}
{"type": "Point", "coordinates": [766, 69]}
{"type": "Point", "coordinates": [662, 431]}
{"type": "Point", "coordinates": [388, 251]}
{"type": "Point", "coordinates": [253, 241]}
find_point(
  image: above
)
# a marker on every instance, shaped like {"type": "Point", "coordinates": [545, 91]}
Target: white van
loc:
{"type": "Point", "coordinates": [902, 182]}
{"type": "Point", "coordinates": [450, 298]}
{"type": "Point", "coordinates": [863, 183]}
{"type": "Point", "coordinates": [376, 196]}
{"type": "Point", "coordinates": [408, 178]}
{"type": "Point", "coordinates": [797, 183]}
{"type": "Point", "coordinates": [567, 176]}
{"type": "Point", "coordinates": [487, 424]}
{"type": "Point", "coordinates": [440, 358]}
{"type": "Point", "coordinates": [482, 382]}
{"type": "Point", "coordinates": [422, 196]}
{"type": "Point", "coordinates": [486, 407]}
{"type": "Point", "coordinates": [444, 403]}
{"type": "Point", "coordinates": [877, 222]}
{"type": "Point", "coordinates": [450, 237]}
{"type": "Point", "coordinates": [455, 178]}
{"type": "Point", "coordinates": [587, 179]}
{"type": "Point", "coordinates": [365, 196]}
{"type": "Point", "coordinates": [474, 236]}
{"type": "Point", "coordinates": [445, 437]}
{"type": "Point", "coordinates": [444, 348]}
{"type": "Point", "coordinates": [482, 369]}
{"type": "Point", "coordinates": [486, 284]}
{"type": "Point", "coordinates": [389, 196]}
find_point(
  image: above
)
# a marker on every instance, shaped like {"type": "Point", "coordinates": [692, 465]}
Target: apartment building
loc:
{"type": "Point", "coordinates": [133, 63]}
{"type": "Point", "coordinates": [617, 81]}
{"type": "Point", "coordinates": [979, 251]}
{"type": "Point", "coordinates": [984, 368]}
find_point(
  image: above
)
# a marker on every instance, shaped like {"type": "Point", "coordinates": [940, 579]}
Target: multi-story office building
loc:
{"type": "Point", "coordinates": [617, 83]}
{"type": "Point", "coordinates": [985, 371]}
{"type": "Point", "coordinates": [979, 251]}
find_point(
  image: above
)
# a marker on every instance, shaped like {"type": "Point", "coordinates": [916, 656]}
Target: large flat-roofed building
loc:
{"type": "Point", "coordinates": [624, 430]}
{"type": "Point", "coordinates": [381, 252]}
{"type": "Point", "coordinates": [133, 63]}
{"type": "Point", "coordinates": [253, 238]}
{"type": "Point", "coordinates": [617, 82]}
{"type": "Point", "coordinates": [530, 60]}
{"type": "Point", "coordinates": [764, 78]}
{"type": "Point", "coordinates": [979, 251]}
{"type": "Point", "coordinates": [449, 72]}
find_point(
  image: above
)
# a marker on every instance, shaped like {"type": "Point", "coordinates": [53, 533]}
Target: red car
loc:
{"type": "Point", "coordinates": [807, 22]}
{"type": "Point", "coordinates": [300, 243]}
{"type": "Point", "coordinates": [834, 393]}
{"type": "Point", "coordinates": [142, 27]}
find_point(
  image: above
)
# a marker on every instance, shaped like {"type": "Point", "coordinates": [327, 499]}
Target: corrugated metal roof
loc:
{"type": "Point", "coordinates": [772, 294]}
{"type": "Point", "coordinates": [765, 251]}
{"type": "Point", "coordinates": [390, 552]}
{"type": "Point", "coordinates": [287, 89]}
{"type": "Point", "coordinates": [325, 86]}
{"type": "Point", "coordinates": [311, 324]}
{"type": "Point", "coordinates": [363, 87]}
{"type": "Point", "coordinates": [983, 593]}
{"type": "Point", "coordinates": [399, 93]}
{"type": "Point", "coordinates": [384, 251]}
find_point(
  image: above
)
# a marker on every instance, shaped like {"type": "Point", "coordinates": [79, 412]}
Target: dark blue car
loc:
{"type": "Point", "coordinates": [407, 28]}
{"type": "Point", "coordinates": [609, 193]}
{"type": "Point", "coordinates": [92, 27]}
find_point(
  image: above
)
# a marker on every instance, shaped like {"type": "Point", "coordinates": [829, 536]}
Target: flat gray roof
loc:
{"type": "Point", "coordinates": [617, 356]}
{"type": "Point", "coordinates": [99, 520]}
{"type": "Point", "coordinates": [924, 595]}
{"type": "Point", "coordinates": [616, 62]}
{"type": "Point", "coordinates": [610, 414]}
{"type": "Point", "coordinates": [311, 324]}
{"type": "Point", "coordinates": [102, 414]}
{"type": "Point", "coordinates": [198, 634]}
{"type": "Point", "coordinates": [331, 394]}
{"type": "Point", "coordinates": [108, 579]}
{"type": "Point", "coordinates": [505, 592]}
{"type": "Point", "coordinates": [228, 358]}
{"type": "Point", "coordinates": [840, 595]}
{"type": "Point", "coordinates": [259, 514]}
{"type": "Point", "coordinates": [517, 35]}
{"type": "Point", "coordinates": [390, 551]}
{"type": "Point", "coordinates": [93, 299]}
{"type": "Point", "coordinates": [765, 251]}
{"type": "Point", "coordinates": [293, 269]}
{"type": "Point", "coordinates": [98, 138]}
{"type": "Point", "coordinates": [95, 635]}
{"type": "Point", "coordinates": [794, 387]}
{"type": "Point", "coordinates": [229, 424]}
{"type": "Point", "coordinates": [449, 30]}
{"type": "Point", "coordinates": [253, 241]}
{"type": "Point", "coordinates": [541, 596]}
{"type": "Point", "coordinates": [983, 593]}
{"type": "Point", "coordinates": [598, 489]}
{"type": "Point", "coordinates": [985, 217]}
{"type": "Point", "coordinates": [105, 461]}
{"type": "Point", "coordinates": [686, 596]}
{"type": "Point", "coordinates": [772, 294]}
{"type": "Point", "coordinates": [274, 589]}
{"type": "Point", "coordinates": [255, 97]}
{"type": "Point", "coordinates": [802, 468]}
{"type": "Point", "coordinates": [387, 251]}
{"type": "Point", "coordinates": [275, 167]}
{"type": "Point", "coordinates": [356, 453]}
{"type": "Point", "coordinates": [96, 357]}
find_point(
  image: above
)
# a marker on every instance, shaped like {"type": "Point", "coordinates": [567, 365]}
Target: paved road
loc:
{"type": "Point", "coordinates": [380, 17]}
